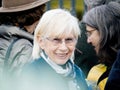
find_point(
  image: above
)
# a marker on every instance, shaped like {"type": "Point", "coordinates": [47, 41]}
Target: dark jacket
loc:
{"type": "Point", "coordinates": [17, 54]}
{"type": "Point", "coordinates": [41, 76]}
{"type": "Point", "coordinates": [113, 82]}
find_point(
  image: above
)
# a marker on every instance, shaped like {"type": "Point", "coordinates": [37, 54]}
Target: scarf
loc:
{"type": "Point", "coordinates": [68, 71]}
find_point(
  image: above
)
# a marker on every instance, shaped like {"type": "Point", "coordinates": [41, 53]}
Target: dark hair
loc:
{"type": "Point", "coordinates": [22, 18]}
{"type": "Point", "coordinates": [106, 19]}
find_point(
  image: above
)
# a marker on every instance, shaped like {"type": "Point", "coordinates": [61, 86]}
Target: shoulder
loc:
{"type": "Point", "coordinates": [77, 68]}
{"type": "Point", "coordinates": [22, 42]}
{"type": "Point", "coordinates": [79, 72]}
{"type": "Point", "coordinates": [99, 67]}
{"type": "Point", "coordinates": [96, 71]}
{"type": "Point", "coordinates": [21, 50]}
{"type": "Point", "coordinates": [114, 76]}
{"type": "Point", "coordinates": [116, 64]}
{"type": "Point", "coordinates": [36, 64]}
{"type": "Point", "coordinates": [80, 77]}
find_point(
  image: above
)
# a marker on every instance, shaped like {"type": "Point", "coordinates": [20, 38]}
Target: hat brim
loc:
{"type": "Point", "coordinates": [22, 7]}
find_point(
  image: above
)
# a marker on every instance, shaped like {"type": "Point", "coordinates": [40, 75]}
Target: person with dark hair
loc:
{"type": "Point", "coordinates": [85, 56]}
{"type": "Point", "coordinates": [18, 19]}
{"type": "Point", "coordinates": [102, 25]}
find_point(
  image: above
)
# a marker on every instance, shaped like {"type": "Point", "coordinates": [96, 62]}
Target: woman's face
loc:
{"type": "Point", "coordinates": [59, 49]}
{"type": "Point", "coordinates": [93, 37]}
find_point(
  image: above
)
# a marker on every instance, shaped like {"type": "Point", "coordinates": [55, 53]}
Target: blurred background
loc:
{"type": "Point", "coordinates": [76, 7]}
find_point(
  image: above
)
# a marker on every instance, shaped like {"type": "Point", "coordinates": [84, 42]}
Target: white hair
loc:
{"type": "Point", "coordinates": [56, 22]}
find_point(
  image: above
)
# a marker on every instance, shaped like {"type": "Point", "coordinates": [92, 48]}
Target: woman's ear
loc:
{"type": "Point", "coordinates": [41, 42]}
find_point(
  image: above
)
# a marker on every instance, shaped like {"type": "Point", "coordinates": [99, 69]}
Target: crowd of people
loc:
{"type": "Point", "coordinates": [53, 50]}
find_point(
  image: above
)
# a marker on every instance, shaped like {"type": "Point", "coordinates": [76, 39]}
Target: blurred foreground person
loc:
{"type": "Point", "coordinates": [18, 19]}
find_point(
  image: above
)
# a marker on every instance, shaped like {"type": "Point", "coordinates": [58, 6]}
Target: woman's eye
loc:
{"type": "Point", "coordinates": [69, 39]}
{"type": "Point", "coordinates": [57, 40]}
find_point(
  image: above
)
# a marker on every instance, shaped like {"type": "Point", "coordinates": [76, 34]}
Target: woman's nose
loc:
{"type": "Point", "coordinates": [88, 40]}
{"type": "Point", "coordinates": [63, 46]}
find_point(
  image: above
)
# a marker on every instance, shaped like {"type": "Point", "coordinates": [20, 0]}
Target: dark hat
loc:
{"type": "Point", "coordinates": [20, 5]}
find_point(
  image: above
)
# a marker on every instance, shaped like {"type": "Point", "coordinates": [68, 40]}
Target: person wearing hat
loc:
{"type": "Point", "coordinates": [18, 19]}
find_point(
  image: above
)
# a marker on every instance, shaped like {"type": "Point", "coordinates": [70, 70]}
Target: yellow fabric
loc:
{"type": "Point", "coordinates": [102, 84]}
{"type": "Point", "coordinates": [95, 73]}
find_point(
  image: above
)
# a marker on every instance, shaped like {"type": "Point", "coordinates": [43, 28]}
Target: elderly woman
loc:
{"type": "Point", "coordinates": [54, 43]}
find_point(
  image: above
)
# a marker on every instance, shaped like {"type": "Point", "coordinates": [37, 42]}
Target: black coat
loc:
{"type": "Point", "coordinates": [113, 82]}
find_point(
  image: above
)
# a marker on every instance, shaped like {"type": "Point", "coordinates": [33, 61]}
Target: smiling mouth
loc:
{"type": "Point", "coordinates": [62, 55]}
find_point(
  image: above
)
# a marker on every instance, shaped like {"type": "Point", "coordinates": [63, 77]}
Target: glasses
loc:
{"type": "Point", "coordinates": [89, 33]}
{"type": "Point", "coordinates": [58, 41]}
